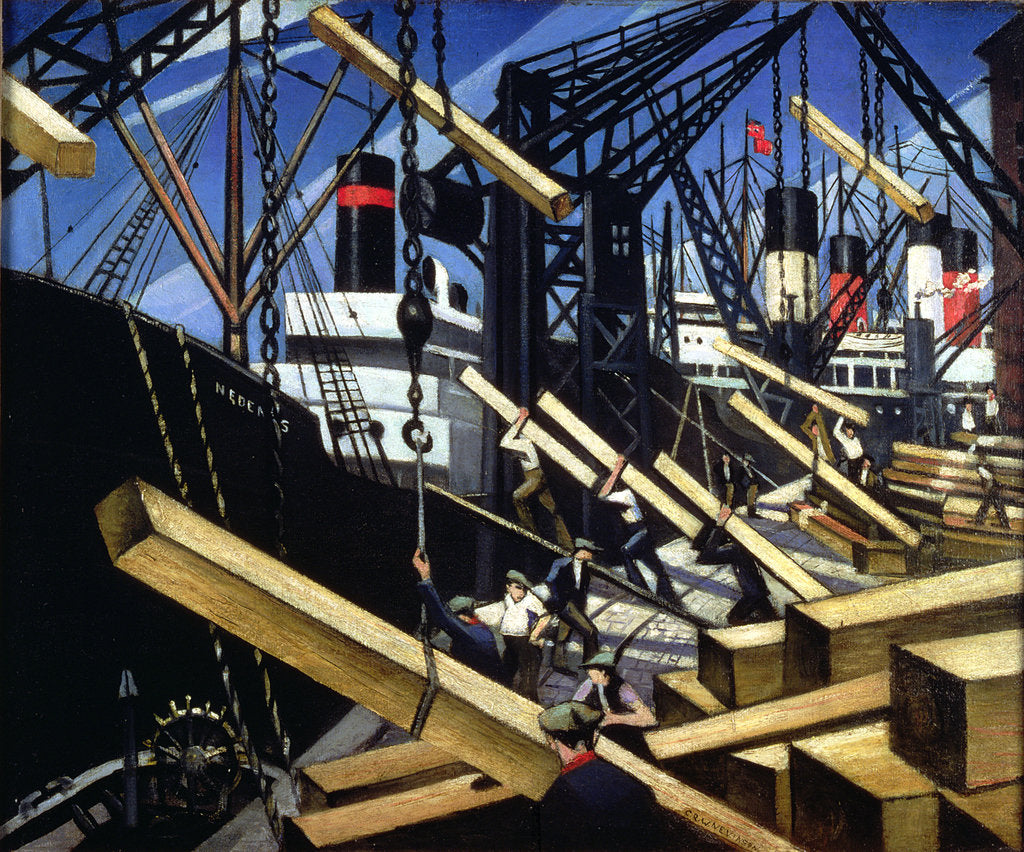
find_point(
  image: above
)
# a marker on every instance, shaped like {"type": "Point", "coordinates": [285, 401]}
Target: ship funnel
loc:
{"type": "Point", "coordinates": [961, 295]}
{"type": "Point", "coordinates": [924, 267]}
{"type": "Point", "coordinates": [791, 254]}
{"type": "Point", "coordinates": [364, 253]}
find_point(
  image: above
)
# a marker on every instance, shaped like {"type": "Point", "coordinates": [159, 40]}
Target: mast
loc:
{"type": "Point", "coordinates": [236, 343]}
{"type": "Point", "coordinates": [745, 259]}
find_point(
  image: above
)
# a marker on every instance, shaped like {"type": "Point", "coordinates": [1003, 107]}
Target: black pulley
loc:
{"type": "Point", "coordinates": [450, 211]}
{"type": "Point", "coordinates": [415, 320]}
{"type": "Point", "coordinates": [928, 233]}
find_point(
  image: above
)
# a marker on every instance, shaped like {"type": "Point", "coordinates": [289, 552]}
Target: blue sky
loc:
{"type": "Point", "coordinates": [481, 35]}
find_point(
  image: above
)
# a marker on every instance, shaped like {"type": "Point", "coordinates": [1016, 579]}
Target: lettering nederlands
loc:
{"type": "Point", "coordinates": [243, 402]}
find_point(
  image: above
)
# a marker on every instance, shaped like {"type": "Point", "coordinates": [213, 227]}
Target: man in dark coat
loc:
{"type": "Point", "coordinates": [473, 642]}
{"type": "Point", "coordinates": [726, 473]}
{"type": "Point", "coordinates": [715, 549]}
{"type": "Point", "coordinates": [564, 593]}
{"type": "Point", "coordinates": [592, 804]}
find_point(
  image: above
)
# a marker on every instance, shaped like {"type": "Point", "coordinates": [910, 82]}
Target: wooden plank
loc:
{"type": "Point", "coordinates": [338, 644]}
{"type": "Point", "coordinates": [377, 772]}
{"type": "Point", "coordinates": [360, 820]}
{"type": "Point", "coordinates": [757, 783]}
{"type": "Point", "coordinates": [888, 558]}
{"type": "Point", "coordinates": [851, 792]}
{"type": "Point", "coordinates": [42, 134]}
{"type": "Point", "coordinates": [259, 599]}
{"type": "Point", "coordinates": [742, 665]}
{"type": "Point", "coordinates": [776, 562]}
{"type": "Point", "coordinates": [910, 201]}
{"type": "Point", "coordinates": [996, 443]}
{"type": "Point", "coordinates": [775, 721]}
{"type": "Point", "coordinates": [941, 471]}
{"type": "Point", "coordinates": [526, 180]}
{"type": "Point", "coordinates": [509, 412]}
{"type": "Point", "coordinates": [680, 697]}
{"type": "Point", "coordinates": [766, 368]}
{"type": "Point", "coordinates": [957, 708]}
{"type": "Point", "coordinates": [968, 507]}
{"type": "Point", "coordinates": [632, 478]}
{"type": "Point", "coordinates": [832, 477]}
{"type": "Point", "coordinates": [1008, 463]}
{"type": "Point", "coordinates": [848, 636]}
{"type": "Point", "coordinates": [997, 809]}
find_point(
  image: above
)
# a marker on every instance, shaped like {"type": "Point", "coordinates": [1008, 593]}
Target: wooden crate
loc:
{"type": "Point", "coordinates": [742, 665]}
{"type": "Point", "coordinates": [850, 792]}
{"type": "Point", "coordinates": [848, 636]}
{"type": "Point", "coordinates": [679, 697]}
{"type": "Point", "coordinates": [757, 784]}
{"type": "Point", "coordinates": [957, 708]}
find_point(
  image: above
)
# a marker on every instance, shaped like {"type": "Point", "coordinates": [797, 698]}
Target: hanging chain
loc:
{"type": "Point", "coordinates": [880, 200]}
{"type": "Point", "coordinates": [805, 156]}
{"type": "Point", "coordinates": [414, 316]}
{"type": "Point", "coordinates": [440, 44]}
{"type": "Point", "coordinates": [270, 316]}
{"type": "Point", "coordinates": [777, 132]}
{"type": "Point", "coordinates": [266, 791]}
{"type": "Point", "coordinates": [865, 101]}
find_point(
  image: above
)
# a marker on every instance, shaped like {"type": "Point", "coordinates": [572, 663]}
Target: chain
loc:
{"type": "Point", "coordinates": [270, 316]}
{"type": "Point", "coordinates": [880, 199]}
{"type": "Point", "coordinates": [805, 157]}
{"type": "Point", "coordinates": [412, 249]}
{"type": "Point", "coordinates": [865, 101]}
{"type": "Point", "coordinates": [440, 44]}
{"type": "Point", "coordinates": [777, 132]}
{"type": "Point", "coordinates": [266, 791]}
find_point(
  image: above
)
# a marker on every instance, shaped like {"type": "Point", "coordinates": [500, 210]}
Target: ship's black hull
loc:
{"type": "Point", "coordinates": [77, 421]}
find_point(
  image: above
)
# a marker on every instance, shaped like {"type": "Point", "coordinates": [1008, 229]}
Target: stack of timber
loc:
{"type": "Point", "coordinates": [886, 719]}
{"type": "Point", "coordinates": [941, 490]}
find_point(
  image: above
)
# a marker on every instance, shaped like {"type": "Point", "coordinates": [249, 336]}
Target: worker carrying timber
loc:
{"type": "Point", "coordinates": [754, 604]}
{"type": "Point", "coordinates": [814, 428]}
{"type": "Point", "coordinates": [473, 642]}
{"type": "Point", "coordinates": [519, 618]}
{"type": "Point", "coordinates": [851, 448]}
{"type": "Point", "coordinates": [564, 593]}
{"type": "Point", "coordinates": [592, 804]}
{"type": "Point", "coordinates": [625, 714]}
{"type": "Point", "coordinates": [643, 567]}
{"type": "Point", "coordinates": [534, 482]}
{"type": "Point", "coordinates": [990, 490]}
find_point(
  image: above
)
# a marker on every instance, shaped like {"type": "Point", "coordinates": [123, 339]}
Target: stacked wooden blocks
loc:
{"type": "Point", "coordinates": [886, 719]}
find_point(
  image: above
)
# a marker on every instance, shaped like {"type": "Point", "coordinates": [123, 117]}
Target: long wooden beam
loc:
{"type": "Point", "coordinates": [832, 477]}
{"type": "Point", "coordinates": [526, 180]}
{"type": "Point", "coordinates": [766, 368]}
{"type": "Point", "coordinates": [42, 134]}
{"type": "Point", "coordinates": [259, 599]}
{"type": "Point", "coordinates": [774, 721]}
{"type": "Point", "coordinates": [632, 478]}
{"type": "Point", "coordinates": [910, 201]}
{"type": "Point", "coordinates": [780, 565]}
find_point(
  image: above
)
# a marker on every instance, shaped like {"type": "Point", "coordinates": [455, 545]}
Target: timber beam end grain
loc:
{"type": "Point", "coordinates": [757, 783]}
{"type": "Point", "coordinates": [679, 697]}
{"type": "Point", "coordinates": [742, 665]}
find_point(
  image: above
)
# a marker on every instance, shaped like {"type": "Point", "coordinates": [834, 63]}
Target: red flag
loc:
{"type": "Point", "coordinates": [755, 129]}
{"type": "Point", "coordinates": [762, 146]}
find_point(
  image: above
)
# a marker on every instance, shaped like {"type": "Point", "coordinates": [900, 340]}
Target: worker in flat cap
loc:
{"type": "Point", "coordinates": [519, 618]}
{"type": "Point", "coordinates": [748, 481]}
{"type": "Point", "coordinates": [564, 593]}
{"type": "Point", "coordinates": [592, 804]}
{"type": "Point", "coordinates": [625, 714]}
{"type": "Point", "coordinates": [473, 642]}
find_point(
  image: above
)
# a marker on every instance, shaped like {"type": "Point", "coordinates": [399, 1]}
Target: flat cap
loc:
{"type": "Point", "coordinates": [519, 577]}
{"type": "Point", "coordinates": [461, 603]}
{"type": "Point", "coordinates": [569, 717]}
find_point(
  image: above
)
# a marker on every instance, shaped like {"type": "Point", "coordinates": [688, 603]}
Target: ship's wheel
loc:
{"type": "Point", "coordinates": [199, 759]}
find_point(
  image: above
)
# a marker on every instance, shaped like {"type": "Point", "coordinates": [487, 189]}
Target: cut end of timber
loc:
{"type": "Point", "coordinates": [561, 206]}
{"type": "Point", "coordinates": [123, 518]}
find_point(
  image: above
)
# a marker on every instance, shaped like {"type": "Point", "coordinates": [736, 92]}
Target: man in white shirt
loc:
{"type": "Point", "coordinates": [992, 424]}
{"type": "Point", "coordinates": [967, 418]}
{"type": "Point", "coordinates": [534, 482]}
{"type": "Point", "coordinates": [520, 618]}
{"type": "Point", "coordinates": [850, 445]}
{"type": "Point", "coordinates": [643, 567]}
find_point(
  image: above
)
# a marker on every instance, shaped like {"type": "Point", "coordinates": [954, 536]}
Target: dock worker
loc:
{"type": "Point", "coordinates": [748, 481]}
{"type": "Point", "coordinates": [866, 477]}
{"type": "Point", "coordinates": [967, 418]}
{"type": "Point", "coordinates": [519, 618]}
{"type": "Point", "coordinates": [534, 482]}
{"type": "Point", "coordinates": [625, 714]}
{"type": "Point", "coordinates": [592, 804]}
{"type": "Point", "coordinates": [814, 428]}
{"type": "Point", "coordinates": [990, 489]}
{"type": "Point", "coordinates": [564, 593]}
{"type": "Point", "coordinates": [754, 604]}
{"type": "Point", "coordinates": [993, 426]}
{"type": "Point", "coordinates": [643, 567]}
{"type": "Point", "coordinates": [726, 475]}
{"type": "Point", "coordinates": [850, 446]}
{"type": "Point", "coordinates": [473, 642]}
